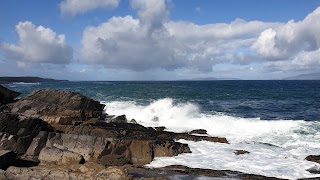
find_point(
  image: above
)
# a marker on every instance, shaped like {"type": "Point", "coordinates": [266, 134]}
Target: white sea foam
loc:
{"type": "Point", "coordinates": [278, 147]}
{"type": "Point", "coordinates": [24, 83]}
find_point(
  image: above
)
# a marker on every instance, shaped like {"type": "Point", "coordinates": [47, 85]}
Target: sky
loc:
{"type": "Point", "coordinates": [159, 39]}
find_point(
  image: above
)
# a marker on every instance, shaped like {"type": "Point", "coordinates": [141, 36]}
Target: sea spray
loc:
{"type": "Point", "coordinates": [277, 147]}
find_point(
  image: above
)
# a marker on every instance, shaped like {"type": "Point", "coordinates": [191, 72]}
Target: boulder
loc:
{"type": "Point", "coordinates": [314, 170]}
{"type": "Point", "coordinates": [313, 158]}
{"type": "Point", "coordinates": [6, 158]}
{"type": "Point", "coordinates": [7, 95]}
{"type": "Point", "coordinates": [58, 106]}
{"type": "Point", "coordinates": [239, 152]}
{"type": "Point", "coordinates": [198, 131]}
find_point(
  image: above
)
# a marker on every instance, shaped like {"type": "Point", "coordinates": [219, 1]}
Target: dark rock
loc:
{"type": "Point", "coordinates": [160, 128]}
{"type": "Point", "coordinates": [58, 107]}
{"type": "Point", "coordinates": [239, 152]}
{"type": "Point", "coordinates": [314, 170]}
{"type": "Point", "coordinates": [169, 148]}
{"type": "Point", "coordinates": [198, 131]}
{"type": "Point", "coordinates": [6, 158]}
{"type": "Point", "coordinates": [313, 158]}
{"type": "Point", "coordinates": [133, 121]}
{"type": "Point", "coordinates": [17, 135]}
{"type": "Point", "coordinates": [118, 119]}
{"type": "Point", "coordinates": [184, 172]}
{"type": "Point", "coordinates": [7, 95]}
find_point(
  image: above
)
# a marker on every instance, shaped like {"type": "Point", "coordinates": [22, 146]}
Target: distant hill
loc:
{"type": "Point", "coordinates": [312, 76]}
{"type": "Point", "coordinates": [209, 79]}
{"type": "Point", "coordinates": [27, 79]}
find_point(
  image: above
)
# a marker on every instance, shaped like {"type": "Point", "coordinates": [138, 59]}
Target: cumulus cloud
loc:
{"type": "Point", "coordinates": [303, 61]}
{"type": "Point", "coordinates": [290, 40]}
{"type": "Point", "coordinates": [37, 45]}
{"type": "Point", "coordinates": [153, 41]}
{"type": "Point", "coordinates": [75, 7]}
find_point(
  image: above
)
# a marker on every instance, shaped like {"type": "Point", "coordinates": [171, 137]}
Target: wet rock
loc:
{"type": "Point", "coordinates": [314, 170]}
{"type": "Point", "coordinates": [198, 131]}
{"type": "Point", "coordinates": [313, 158]}
{"type": "Point", "coordinates": [160, 128]}
{"type": "Point", "coordinates": [239, 152]}
{"type": "Point", "coordinates": [183, 172]}
{"type": "Point", "coordinates": [6, 158]}
{"type": "Point", "coordinates": [7, 95]}
{"type": "Point", "coordinates": [170, 148]}
{"type": "Point", "coordinates": [118, 119]}
{"type": "Point", "coordinates": [58, 106]}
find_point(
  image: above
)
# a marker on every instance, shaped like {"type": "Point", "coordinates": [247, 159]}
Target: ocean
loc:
{"type": "Point", "coordinates": [278, 122]}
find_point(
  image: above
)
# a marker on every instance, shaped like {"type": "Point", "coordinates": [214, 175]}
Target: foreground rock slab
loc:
{"type": "Point", "coordinates": [80, 172]}
{"type": "Point", "coordinates": [57, 106]}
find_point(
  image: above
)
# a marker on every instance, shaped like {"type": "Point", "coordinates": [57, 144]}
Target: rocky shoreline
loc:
{"type": "Point", "coordinates": [53, 134]}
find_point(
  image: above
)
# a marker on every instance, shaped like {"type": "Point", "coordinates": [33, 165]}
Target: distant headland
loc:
{"type": "Point", "coordinates": [27, 79]}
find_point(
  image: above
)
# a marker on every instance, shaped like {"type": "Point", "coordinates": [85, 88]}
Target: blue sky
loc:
{"type": "Point", "coordinates": [159, 39]}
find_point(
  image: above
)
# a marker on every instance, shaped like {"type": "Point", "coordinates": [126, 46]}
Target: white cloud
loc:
{"type": "Point", "coordinates": [153, 41]}
{"type": "Point", "coordinates": [304, 61]}
{"type": "Point", "coordinates": [75, 7]}
{"type": "Point", "coordinates": [37, 45]}
{"type": "Point", "coordinates": [285, 42]}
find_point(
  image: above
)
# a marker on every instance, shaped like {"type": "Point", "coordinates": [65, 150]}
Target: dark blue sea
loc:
{"type": "Point", "coordinates": [278, 122]}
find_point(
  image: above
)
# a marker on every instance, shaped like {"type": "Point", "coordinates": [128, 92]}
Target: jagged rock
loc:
{"type": "Point", "coordinates": [239, 152]}
{"type": "Point", "coordinates": [37, 144]}
{"type": "Point", "coordinates": [169, 148]}
{"type": "Point", "coordinates": [118, 119]}
{"type": "Point", "coordinates": [17, 134]}
{"type": "Point", "coordinates": [198, 131]}
{"type": "Point", "coordinates": [58, 106]}
{"type": "Point", "coordinates": [6, 158]}
{"type": "Point", "coordinates": [313, 158]}
{"type": "Point", "coordinates": [7, 95]}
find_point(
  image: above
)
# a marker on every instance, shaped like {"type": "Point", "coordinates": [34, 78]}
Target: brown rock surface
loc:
{"type": "Point", "coordinates": [313, 158]}
{"type": "Point", "coordinates": [57, 106]}
{"type": "Point", "coordinates": [65, 173]}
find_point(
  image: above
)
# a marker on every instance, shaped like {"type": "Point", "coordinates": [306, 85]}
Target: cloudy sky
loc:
{"type": "Point", "coordinates": [159, 39]}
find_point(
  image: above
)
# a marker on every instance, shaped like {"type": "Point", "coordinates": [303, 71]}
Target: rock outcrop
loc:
{"type": "Point", "coordinates": [313, 158]}
{"type": "Point", "coordinates": [7, 95]}
{"type": "Point", "coordinates": [65, 132]}
{"type": "Point", "coordinates": [58, 107]}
